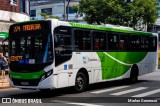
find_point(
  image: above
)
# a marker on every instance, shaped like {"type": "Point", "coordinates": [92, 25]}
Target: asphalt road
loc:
{"type": "Point", "coordinates": [145, 92]}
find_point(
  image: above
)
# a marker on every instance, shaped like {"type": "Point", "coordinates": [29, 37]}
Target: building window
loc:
{"type": "Point", "coordinates": [22, 6]}
{"type": "Point", "coordinates": [71, 10]}
{"type": "Point", "coordinates": [13, 2]}
{"type": "Point", "coordinates": [48, 11]}
{"type": "Point", "coordinates": [33, 13]}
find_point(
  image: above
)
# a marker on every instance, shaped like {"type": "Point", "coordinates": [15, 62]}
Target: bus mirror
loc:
{"type": "Point", "coordinates": [4, 49]}
{"type": "Point", "coordinates": [5, 40]}
{"type": "Point", "coordinates": [4, 46]}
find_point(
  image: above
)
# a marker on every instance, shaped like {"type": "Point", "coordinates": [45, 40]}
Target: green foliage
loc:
{"type": "Point", "coordinates": [74, 7]}
{"type": "Point", "coordinates": [45, 16]}
{"type": "Point", "coordinates": [118, 12]}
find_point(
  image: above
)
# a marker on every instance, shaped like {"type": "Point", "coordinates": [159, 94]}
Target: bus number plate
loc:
{"type": "Point", "coordinates": [24, 83]}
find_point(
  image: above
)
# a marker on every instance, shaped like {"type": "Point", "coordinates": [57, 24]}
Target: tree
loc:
{"type": "Point", "coordinates": [45, 16]}
{"type": "Point", "coordinates": [118, 12]}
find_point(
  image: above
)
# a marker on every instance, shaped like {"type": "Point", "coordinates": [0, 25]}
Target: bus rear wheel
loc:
{"type": "Point", "coordinates": [80, 82]}
{"type": "Point", "coordinates": [134, 74]}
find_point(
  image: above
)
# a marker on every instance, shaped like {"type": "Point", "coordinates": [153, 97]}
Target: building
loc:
{"type": "Point", "coordinates": [55, 8]}
{"type": "Point", "coordinates": [12, 11]}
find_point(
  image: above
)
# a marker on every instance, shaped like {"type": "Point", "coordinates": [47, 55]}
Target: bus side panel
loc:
{"type": "Point", "coordinates": [82, 61]}
{"type": "Point", "coordinates": [96, 68]}
{"type": "Point", "coordinates": [153, 61]}
{"type": "Point", "coordinates": [64, 70]}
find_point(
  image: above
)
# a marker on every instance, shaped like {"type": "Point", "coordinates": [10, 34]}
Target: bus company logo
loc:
{"type": "Point", "coordinates": [85, 59]}
{"type": "Point", "coordinates": [6, 100]}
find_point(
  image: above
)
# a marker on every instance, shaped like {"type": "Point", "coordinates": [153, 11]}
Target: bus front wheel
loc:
{"type": "Point", "coordinates": [80, 82]}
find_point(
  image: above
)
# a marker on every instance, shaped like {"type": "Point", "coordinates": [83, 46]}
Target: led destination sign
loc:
{"type": "Point", "coordinates": [28, 27]}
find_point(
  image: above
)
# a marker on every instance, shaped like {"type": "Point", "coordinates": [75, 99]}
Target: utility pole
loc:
{"type": "Point", "coordinates": [68, 9]}
{"type": "Point", "coordinates": [64, 10]}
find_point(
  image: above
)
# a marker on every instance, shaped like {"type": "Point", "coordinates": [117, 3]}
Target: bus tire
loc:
{"type": "Point", "coordinates": [80, 82]}
{"type": "Point", "coordinates": [134, 74]}
{"type": "Point", "coordinates": [45, 90]}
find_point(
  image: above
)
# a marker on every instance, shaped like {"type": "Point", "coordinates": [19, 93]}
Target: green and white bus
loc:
{"type": "Point", "coordinates": [3, 36]}
{"type": "Point", "coordinates": [51, 54]}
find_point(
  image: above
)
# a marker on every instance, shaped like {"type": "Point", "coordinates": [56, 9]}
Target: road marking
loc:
{"type": "Point", "coordinates": [110, 89]}
{"type": "Point", "coordinates": [83, 104]}
{"type": "Point", "coordinates": [128, 91]}
{"type": "Point", "coordinates": [147, 93]}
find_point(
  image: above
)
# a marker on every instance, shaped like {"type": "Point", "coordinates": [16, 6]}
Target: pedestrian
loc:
{"type": "Point", "coordinates": [3, 64]}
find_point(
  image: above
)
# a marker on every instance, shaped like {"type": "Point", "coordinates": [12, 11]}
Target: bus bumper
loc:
{"type": "Point", "coordinates": [47, 83]}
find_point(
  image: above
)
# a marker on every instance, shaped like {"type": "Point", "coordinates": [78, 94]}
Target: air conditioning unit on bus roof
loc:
{"type": "Point", "coordinates": [118, 26]}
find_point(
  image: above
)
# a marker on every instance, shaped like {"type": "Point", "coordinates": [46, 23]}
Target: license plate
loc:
{"type": "Point", "coordinates": [24, 83]}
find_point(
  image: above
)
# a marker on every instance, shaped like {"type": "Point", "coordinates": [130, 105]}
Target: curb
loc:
{"type": "Point", "coordinates": [5, 87]}
{"type": "Point", "coordinates": [4, 83]}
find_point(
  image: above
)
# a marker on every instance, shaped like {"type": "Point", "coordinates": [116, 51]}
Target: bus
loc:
{"type": "Point", "coordinates": [4, 46]}
{"type": "Point", "coordinates": [4, 43]}
{"type": "Point", "coordinates": [159, 50]}
{"type": "Point", "coordinates": [51, 54]}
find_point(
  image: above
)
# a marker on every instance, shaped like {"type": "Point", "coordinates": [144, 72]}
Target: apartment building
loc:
{"type": "Point", "coordinates": [58, 8]}
{"type": "Point", "coordinates": [12, 11]}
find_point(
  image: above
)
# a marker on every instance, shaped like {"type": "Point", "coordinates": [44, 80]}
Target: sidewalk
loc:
{"type": "Point", "coordinates": [4, 82]}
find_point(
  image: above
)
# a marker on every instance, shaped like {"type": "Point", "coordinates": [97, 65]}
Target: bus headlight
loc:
{"type": "Point", "coordinates": [47, 74]}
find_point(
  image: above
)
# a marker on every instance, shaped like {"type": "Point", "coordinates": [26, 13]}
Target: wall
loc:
{"type": "Point", "coordinates": [5, 5]}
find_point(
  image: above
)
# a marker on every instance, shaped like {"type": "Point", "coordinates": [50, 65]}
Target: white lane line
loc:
{"type": "Point", "coordinates": [110, 89]}
{"type": "Point", "coordinates": [147, 93]}
{"type": "Point", "coordinates": [128, 91]}
{"type": "Point", "coordinates": [83, 104]}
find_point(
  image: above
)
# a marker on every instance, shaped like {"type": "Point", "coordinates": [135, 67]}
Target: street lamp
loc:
{"type": "Point", "coordinates": [68, 9]}
{"type": "Point", "coordinates": [64, 10]}
{"type": "Point", "coordinates": [66, 16]}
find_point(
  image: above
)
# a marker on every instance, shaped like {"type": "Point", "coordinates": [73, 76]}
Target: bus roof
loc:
{"type": "Point", "coordinates": [3, 34]}
{"type": "Point", "coordinates": [114, 29]}
{"type": "Point", "coordinates": [97, 27]}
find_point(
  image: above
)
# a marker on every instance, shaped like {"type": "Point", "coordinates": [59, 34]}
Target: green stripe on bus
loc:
{"type": "Point", "coordinates": [112, 68]}
{"type": "Point", "coordinates": [3, 34]}
{"type": "Point", "coordinates": [107, 29]}
{"type": "Point", "coordinates": [33, 75]}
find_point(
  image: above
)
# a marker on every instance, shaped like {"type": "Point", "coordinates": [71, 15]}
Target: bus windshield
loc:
{"type": "Point", "coordinates": [31, 48]}
{"type": "Point", "coordinates": [31, 43]}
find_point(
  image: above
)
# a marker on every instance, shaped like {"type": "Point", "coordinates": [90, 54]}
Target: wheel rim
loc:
{"type": "Point", "coordinates": [79, 82]}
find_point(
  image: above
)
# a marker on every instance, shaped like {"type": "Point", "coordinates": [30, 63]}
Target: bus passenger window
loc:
{"type": "Point", "coordinates": [135, 42]}
{"type": "Point", "coordinates": [82, 40]}
{"type": "Point", "coordinates": [152, 44]}
{"type": "Point", "coordinates": [144, 43]}
{"type": "Point", "coordinates": [99, 41]}
{"type": "Point", "coordinates": [124, 42]}
{"type": "Point", "coordinates": [113, 41]}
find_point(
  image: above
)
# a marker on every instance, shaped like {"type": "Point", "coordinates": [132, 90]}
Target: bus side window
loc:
{"type": "Point", "coordinates": [144, 42]}
{"type": "Point", "coordinates": [99, 41]}
{"type": "Point", "coordinates": [113, 41]}
{"type": "Point", "coordinates": [124, 42]}
{"type": "Point", "coordinates": [152, 43]}
{"type": "Point", "coordinates": [82, 40]}
{"type": "Point", "coordinates": [135, 42]}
